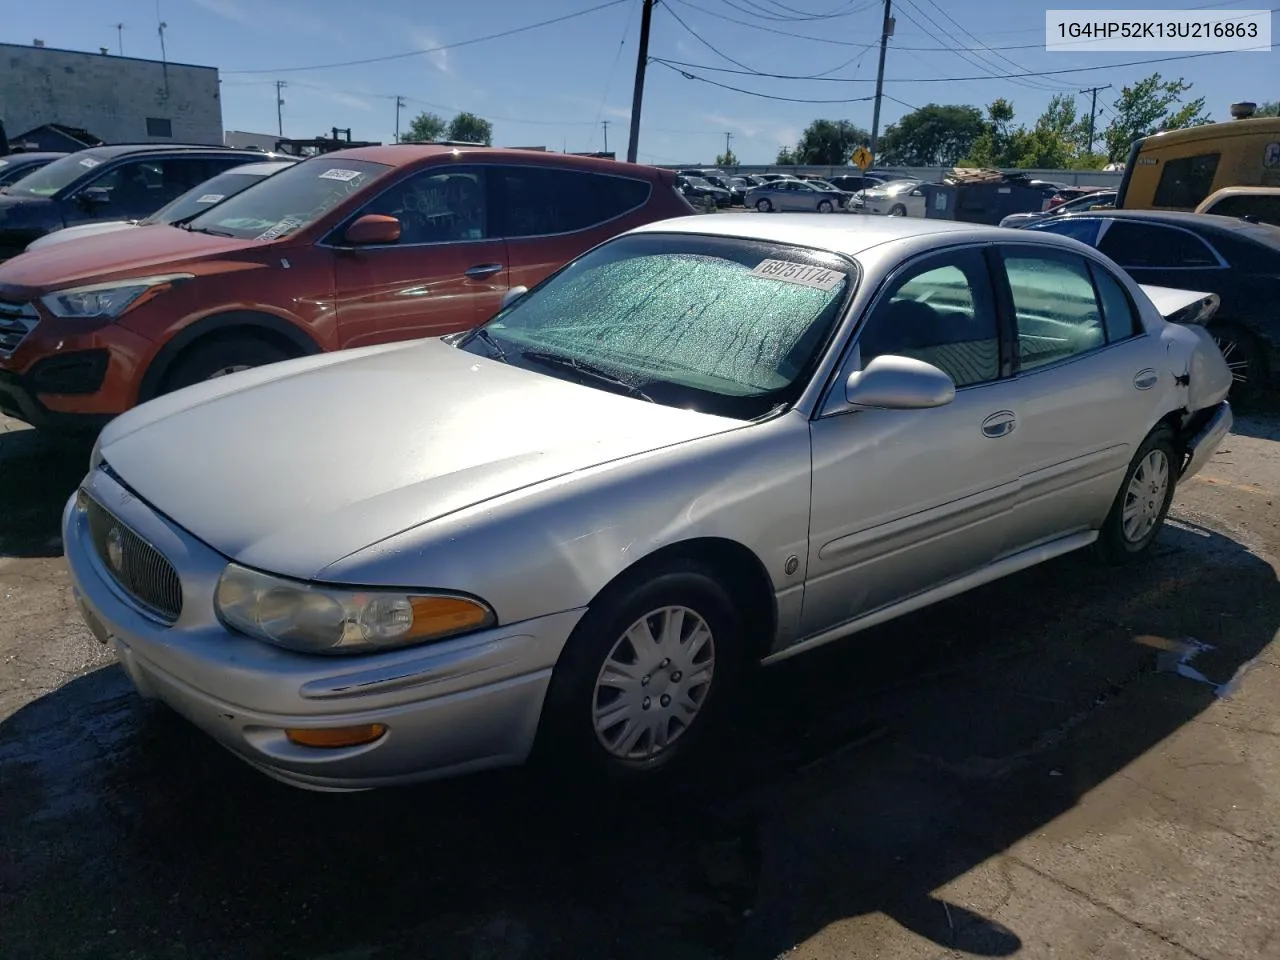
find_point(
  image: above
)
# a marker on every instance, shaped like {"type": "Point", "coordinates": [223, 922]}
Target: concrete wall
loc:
{"type": "Point", "coordinates": [111, 97]}
{"type": "Point", "coordinates": [1097, 178]}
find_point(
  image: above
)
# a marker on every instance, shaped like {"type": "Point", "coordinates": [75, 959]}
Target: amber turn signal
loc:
{"type": "Point", "coordinates": [332, 737]}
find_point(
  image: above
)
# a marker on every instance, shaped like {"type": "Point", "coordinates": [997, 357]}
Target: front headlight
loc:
{"type": "Point", "coordinates": [322, 619]}
{"type": "Point", "coordinates": [107, 300]}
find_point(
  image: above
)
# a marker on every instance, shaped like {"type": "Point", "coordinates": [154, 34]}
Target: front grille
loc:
{"type": "Point", "coordinates": [16, 321]}
{"type": "Point", "coordinates": [138, 567]}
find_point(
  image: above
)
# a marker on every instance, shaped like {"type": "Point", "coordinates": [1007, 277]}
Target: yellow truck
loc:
{"type": "Point", "coordinates": [1177, 169]}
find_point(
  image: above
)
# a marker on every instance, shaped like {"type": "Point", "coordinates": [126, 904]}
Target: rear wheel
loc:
{"type": "Point", "coordinates": [220, 358]}
{"type": "Point", "coordinates": [897, 210]}
{"type": "Point", "coordinates": [1143, 502]}
{"type": "Point", "coordinates": [764, 206]}
{"type": "Point", "coordinates": [1245, 358]}
{"type": "Point", "coordinates": [644, 675]}
{"type": "Point", "coordinates": [825, 206]}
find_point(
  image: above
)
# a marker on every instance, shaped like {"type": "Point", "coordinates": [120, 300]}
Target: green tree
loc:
{"type": "Point", "coordinates": [786, 157]}
{"type": "Point", "coordinates": [1151, 104]}
{"type": "Point", "coordinates": [994, 146]}
{"type": "Point", "coordinates": [727, 159]}
{"type": "Point", "coordinates": [829, 143]}
{"type": "Point", "coordinates": [933, 136]}
{"type": "Point", "coordinates": [424, 128]}
{"type": "Point", "coordinates": [469, 127]}
{"type": "Point", "coordinates": [1054, 142]}
{"type": "Point", "coordinates": [1269, 110]}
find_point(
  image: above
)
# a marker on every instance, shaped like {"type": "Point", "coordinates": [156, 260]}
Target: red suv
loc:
{"type": "Point", "coordinates": [347, 249]}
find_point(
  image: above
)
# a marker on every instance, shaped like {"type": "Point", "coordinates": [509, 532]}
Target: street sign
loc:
{"type": "Point", "coordinates": [861, 158]}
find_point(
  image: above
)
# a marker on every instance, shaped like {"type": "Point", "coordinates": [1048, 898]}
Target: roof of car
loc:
{"type": "Point", "coordinates": [1209, 222]}
{"type": "Point", "coordinates": [403, 154]}
{"type": "Point", "coordinates": [32, 155]}
{"type": "Point", "coordinates": [264, 169]}
{"type": "Point", "coordinates": [823, 230]}
{"type": "Point", "coordinates": [121, 149]}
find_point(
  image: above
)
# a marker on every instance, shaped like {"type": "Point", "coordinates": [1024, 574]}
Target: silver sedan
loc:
{"type": "Point", "coordinates": [706, 443]}
{"type": "Point", "coordinates": [797, 195]}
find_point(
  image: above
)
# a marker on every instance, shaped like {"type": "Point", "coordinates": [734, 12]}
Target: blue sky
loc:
{"type": "Point", "coordinates": [554, 86]}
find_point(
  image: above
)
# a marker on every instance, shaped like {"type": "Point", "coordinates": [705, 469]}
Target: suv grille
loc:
{"type": "Point", "coordinates": [138, 567]}
{"type": "Point", "coordinates": [16, 321]}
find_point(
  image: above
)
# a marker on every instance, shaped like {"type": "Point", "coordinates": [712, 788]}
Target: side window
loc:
{"type": "Point", "coordinates": [1262, 207]}
{"type": "Point", "coordinates": [1118, 314]}
{"type": "Point", "coordinates": [1086, 231]}
{"type": "Point", "coordinates": [1187, 181]}
{"type": "Point", "coordinates": [436, 207]}
{"type": "Point", "coordinates": [542, 201]}
{"type": "Point", "coordinates": [1055, 306]}
{"type": "Point", "coordinates": [130, 184]}
{"type": "Point", "coordinates": [941, 311]}
{"type": "Point", "coordinates": [1147, 245]}
{"type": "Point", "coordinates": [177, 175]}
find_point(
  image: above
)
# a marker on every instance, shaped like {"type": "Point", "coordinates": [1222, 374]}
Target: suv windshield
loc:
{"type": "Point", "coordinates": [290, 200]}
{"type": "Point", "coordinates": [205, 195]}
{"type": "Point", "coordinates": [53, 177]}
{"type": "Point", "coordinates": [697, 181]}
{"type": "Point", "coordinates": [723, 325]}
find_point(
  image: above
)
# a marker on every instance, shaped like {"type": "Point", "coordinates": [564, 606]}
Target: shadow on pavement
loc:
{"type": "Point", "coordinates": [862, 779]}
{"type": "Point", "coordinates": [37, 475]}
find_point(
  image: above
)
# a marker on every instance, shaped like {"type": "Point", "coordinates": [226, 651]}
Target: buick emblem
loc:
{"type": "Point", "coordinates": [115, 549]}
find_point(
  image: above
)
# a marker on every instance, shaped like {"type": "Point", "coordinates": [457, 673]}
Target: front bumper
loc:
{"type": "Point", "coordinates": [452, 707]}
{"type": "Point", "coordinates": [1204, 442]}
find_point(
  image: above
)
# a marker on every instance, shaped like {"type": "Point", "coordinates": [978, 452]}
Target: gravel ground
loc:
{"type": "Point", "coordinates": [1073, 762]}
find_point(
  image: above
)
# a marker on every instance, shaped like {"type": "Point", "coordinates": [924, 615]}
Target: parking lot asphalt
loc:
{"type": "Point", "coordinates": [1073, 762]}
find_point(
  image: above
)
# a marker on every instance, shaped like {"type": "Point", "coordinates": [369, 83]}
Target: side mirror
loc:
{"type": "Point", "coordinates": [512, 295]}
{"type": "Point", "coordinates": [94, 196]}
{"type": "Point", "coordinates": [917, 193]}
{"type": "Point", "coordinates": [372, 229]}
{"type": "Point", "coordinates": [899, 383]}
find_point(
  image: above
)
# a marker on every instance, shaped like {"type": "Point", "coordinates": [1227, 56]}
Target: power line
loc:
{"type": "Point", "coordinates": [996, 58]}
{"type": "Point", "coordinates": [678, 64]}
{"type": "Point", "coordinates": [671, 65]}
{"type": "Point", "coordinates": [442, 47]}
{"type": "Point", "coordinates": [608, 84]}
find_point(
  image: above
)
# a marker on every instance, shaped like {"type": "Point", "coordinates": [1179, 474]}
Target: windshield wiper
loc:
{"type": "Point", "coordinates": [212, 233]}
{"type": "Point", "coordinates": [585, 370]}
{"type": "Point", "coordinates": [495, 348]}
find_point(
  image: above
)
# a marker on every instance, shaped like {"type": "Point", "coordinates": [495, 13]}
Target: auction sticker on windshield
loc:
{"type": "Point", "coordinates": [344, 175]}
{"type": "Point", "coordinates": [820, 278]}
{"type": "Point", "coordinates": [89, 162]}
{"type": "Point", "coordinates": [210, 198]}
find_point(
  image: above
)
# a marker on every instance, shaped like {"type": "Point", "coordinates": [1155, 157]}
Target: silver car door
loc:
{"type": "Point", "coordinates": [1087, 377]}
{"type": "Point", "coordinates": [903, 500]}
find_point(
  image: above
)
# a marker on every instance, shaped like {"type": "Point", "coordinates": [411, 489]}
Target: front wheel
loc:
{"type": "Point", "coordinates": [898, 210]}
{"type": "Point", "coordinates": [764, 206]}
{"type": "Point", "coordinates": [1245, 359]}
{"type": "Point", "coordinates": [643, 675]}
{"type": "Point", "coordinates": [220, 358]}
{"type": "Point", "coordinates": [1143, 502]}
{"type": "Point", "coordinates": [825, 206]}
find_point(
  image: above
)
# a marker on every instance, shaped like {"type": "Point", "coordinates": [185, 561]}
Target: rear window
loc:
{"type": "Point", "coordinates": [289, 201]}
{"type": "Point", "coordinates": [58, 175]}
{"type": "Point", "coordinates": [542, 201]}
{"type": "Point", "coordinates": [1265, 208]}
{"type": "Point", "coordinates": [1186, 181]}
{"type": "Point", "coordinates": [204, 195]}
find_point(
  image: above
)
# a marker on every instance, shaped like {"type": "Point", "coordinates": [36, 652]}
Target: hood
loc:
{"type": "Point", "coordinates": [147, 250]}
{"type": "Point", "coordinates": [291, 467]}
{"type": "Point", "coordinates": [21, 212]}
{"type": "Point", "coordinates": [76, 233]}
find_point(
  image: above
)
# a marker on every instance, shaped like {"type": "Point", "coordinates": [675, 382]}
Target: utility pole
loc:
{"type": "Point", "coordinates": [280, 85]}
{"type": "Point", "coordinates": [727, 137]}
{"type": "Point", "coordinates": [605, 124]}
{"type": "Point", "coordinates": [642, 61]}
{"type": "Point", "coordinates": [399, 103]}
{"type": "Point", "coordinates": [1093, 109]}
{"type": "Point", "coordinates": [885, 33]}
{"type": "Point", "coordinates": [120, 38]}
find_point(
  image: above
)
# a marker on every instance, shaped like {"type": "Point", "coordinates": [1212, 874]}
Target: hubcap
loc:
{"type": "Point", "coordinates": [223, 371]}
{"type": "Point", "coordinates": [653, 683]}
{"type": "Point", "coordinates": [1145, 497]}
{"type": "Point", "coordinates": [1237, 361]}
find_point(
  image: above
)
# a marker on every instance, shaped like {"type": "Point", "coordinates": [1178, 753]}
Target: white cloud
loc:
{"type": "Point", "coordinates": [224, 8]}
{"type": "Point", "coordinates": [425, 40]}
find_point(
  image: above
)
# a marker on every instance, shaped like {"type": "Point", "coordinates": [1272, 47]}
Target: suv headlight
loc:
{"type": "Point", "coordinates": [107, 300]}
{"type": "Point", "coordinates": [335, 620]}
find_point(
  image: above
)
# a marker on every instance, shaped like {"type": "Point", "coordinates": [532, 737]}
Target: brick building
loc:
{"type": "Point", "coordinates": [115, 99]}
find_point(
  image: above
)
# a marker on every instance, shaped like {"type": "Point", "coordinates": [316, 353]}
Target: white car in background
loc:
{"type": "Point", "coordinates": [196, 200]}
{"type": "Point", "coordinates": [897, 198]}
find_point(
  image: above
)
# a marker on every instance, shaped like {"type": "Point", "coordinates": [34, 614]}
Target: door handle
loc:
{"type": "Point", "coordinates": [483, 270]}
{"type": "Point", "coordinates": [999, 424]}
{"type": "Point", "coordinates": [1146, 379]}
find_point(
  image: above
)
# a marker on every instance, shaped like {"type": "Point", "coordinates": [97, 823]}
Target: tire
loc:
{"type": "Point", "coordinates": [573, 740]}
{"type": "Point", "coordinates": [1246, 358]}
{"type": "Point", "coordinates": [206, 361]}
{"type": "Point", "coordinates": [897, 210]}
{"type": "Point", "coordinates": [763, 205]}
{"type": "Point", "coordinates": [825, 206]}
{"type": "Point", "coordinates": [1120, 541]}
